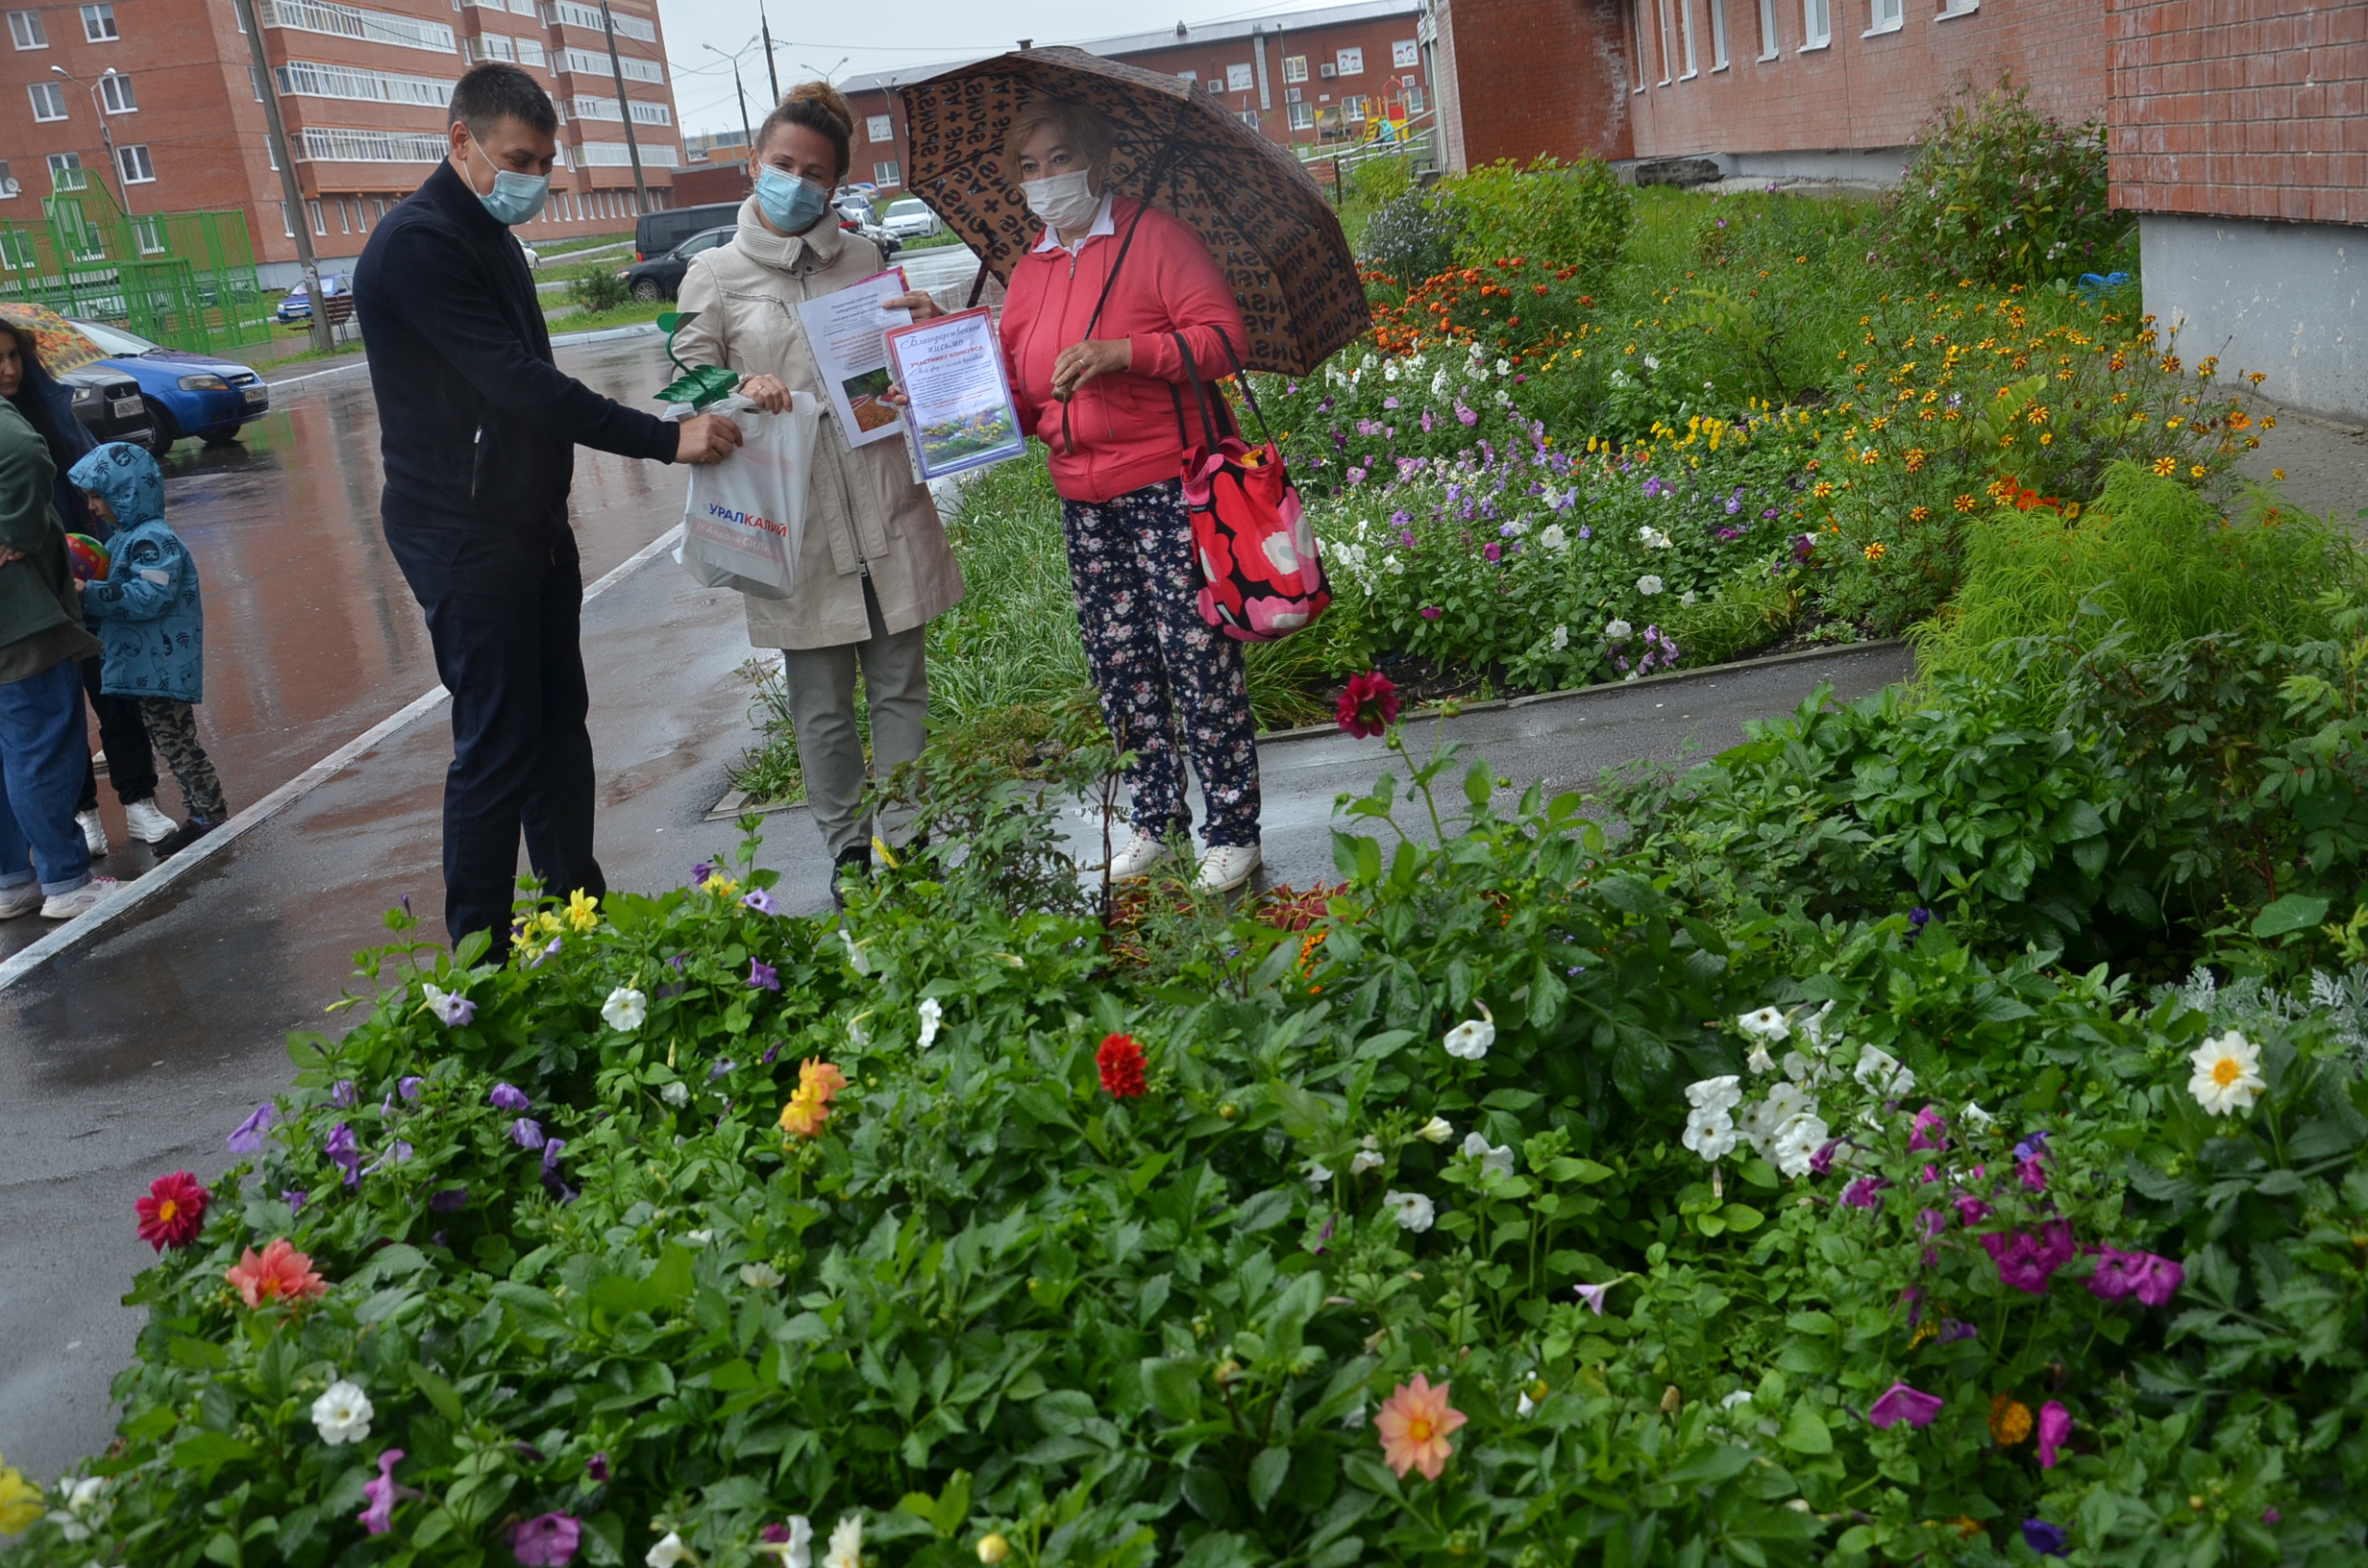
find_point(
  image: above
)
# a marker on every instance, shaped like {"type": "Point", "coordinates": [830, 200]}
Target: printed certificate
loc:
{"type": "Point", "coordinates": [961, 414]}
{"type": "Point", "coordinates": [845, 330]}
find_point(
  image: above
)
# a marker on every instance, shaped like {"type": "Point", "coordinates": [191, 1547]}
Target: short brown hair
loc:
{"type": "Point", "coordinates": [1082, 127]}
{"type": "Point", "coordinates": [819, 108]}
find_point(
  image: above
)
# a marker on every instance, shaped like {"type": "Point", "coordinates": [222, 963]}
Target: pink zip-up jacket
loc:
{"type": "Point", "coordinates": [1122, 428]}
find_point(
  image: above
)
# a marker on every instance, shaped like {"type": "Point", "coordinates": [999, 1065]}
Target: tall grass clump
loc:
{"type": "Point", "coordinates": [2153, 561]}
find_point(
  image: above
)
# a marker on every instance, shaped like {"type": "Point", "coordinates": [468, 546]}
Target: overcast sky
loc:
{"type": "Point", "coordinates": [886, 35]}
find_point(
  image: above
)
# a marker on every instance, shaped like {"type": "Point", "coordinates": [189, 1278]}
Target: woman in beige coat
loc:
{"type": "Point", "coordinates": [875, 566]}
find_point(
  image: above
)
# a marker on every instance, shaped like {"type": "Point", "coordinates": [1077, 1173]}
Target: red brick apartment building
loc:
{"type": "Point", "coordinates": [363, 90]}
{"type": "Point", "coordinates": [1310, 78]}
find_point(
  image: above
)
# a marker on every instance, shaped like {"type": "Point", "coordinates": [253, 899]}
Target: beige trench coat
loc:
{"type": "Point", "coordinates": [863, 508]}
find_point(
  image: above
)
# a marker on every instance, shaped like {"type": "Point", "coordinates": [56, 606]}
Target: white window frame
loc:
{"type": "Point", "coordinates": [148, 235]}
{"type": "Point", "coordinates": [1719, 34]}
{"type": "Point", "coordinates": [320, 227]}
{"type": "Point", "coordinates": [342, 21]}
{"type": "Point", "coordinates": [115, 92]}
{"type": "Point", "coordinates": [531, 53]}
{"type": "Point", "coordinates": [1415, 103]}
{"type": "Point", "coordinates": [1685, 27]}
{"type": "Point", "coordinates": [1769, 48]}
{"type": "Point", "coordinates": [1349, 62]}
{"type": "Point", "coordinates": [1885, 16]}
{"type": "Point", "coordinates": [1660, 12]}
{"type": "Point", "coordinates": [1353, 108]}
{"type": "Point", "coordinates": [1241, 77]}
{"type": "Point", "coordinates": [27, 24]}
{"type": "Point", "coordinates": [101, 15]}
{"type": "Point", "coordinates": [1302, 116]}
{"type": "Point", "coordinates": [1816, 25]}
{"type": "Point", "coordinates": [134, 163]}
{"type": "Point", "coordinates": [1295, 68]}
{"type": "Point", "coordinates": [879, 128]}
{"type": "Point", "coordinates": [888, 174]}
{"type": "Point", "coordinates": [1957, 7]}
{"type": "Point", "coordinates": [48, 102]}
{"type": "Point", "coordinates": [1405, 54]}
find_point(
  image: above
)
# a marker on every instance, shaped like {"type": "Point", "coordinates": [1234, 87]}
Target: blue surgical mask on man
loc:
{"type": "Point", "coordinates": [790, 204]}
{"type": "Point", "coordinates": [516, 197]}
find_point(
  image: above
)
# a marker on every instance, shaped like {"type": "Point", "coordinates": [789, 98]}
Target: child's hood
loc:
{"type": "Point", "coordinates": [125, 478]}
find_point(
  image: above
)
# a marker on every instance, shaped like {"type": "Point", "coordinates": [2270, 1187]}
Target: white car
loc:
{"type": "Point", "coordinates": [909, 218]}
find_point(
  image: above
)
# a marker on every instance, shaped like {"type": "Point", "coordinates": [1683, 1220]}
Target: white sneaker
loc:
{"type": "Point", "coordinates": [98, 762]}
{"type": "Point", "coordinates": [147, 823]}
{"type": "Point", "coordinates": [65, 906]}
{"type": "Point", "coordinates": [1143, 852]}
{"type": "Point", "coordinates": [21, 899]}
{"type": "Point", "coordinates": [1225, 866]}
{"type": "Point", "coordinates": [95, 831]}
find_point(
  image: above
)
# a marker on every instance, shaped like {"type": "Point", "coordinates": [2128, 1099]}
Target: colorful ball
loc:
{"type": "Point", "coordinates": [86, 557]}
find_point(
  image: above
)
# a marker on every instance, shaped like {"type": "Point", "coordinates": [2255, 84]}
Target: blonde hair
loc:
{"type": "Point", "coordinates": [819, 108]}
{"type": "Point", "coordinates": [1081, 127]}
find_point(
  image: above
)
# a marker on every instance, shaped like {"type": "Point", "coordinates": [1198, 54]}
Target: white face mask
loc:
{"type": "Point", "coordinates": [1065, 201]}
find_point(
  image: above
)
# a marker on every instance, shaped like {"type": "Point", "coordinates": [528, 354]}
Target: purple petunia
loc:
{"type": "Point", "coordinates": [343, 1093]}
{"type": "Point", "coordinates": [2046, 1539]}
{"type": "Point", "coordinates": [294, 1197]}
{"type": "Point", "coordinates": [409, 1088]}
{"type": "Point", "coordinates": [379, 1517]}
{"type": "Point", "coordinates": [2027, 1262]}
{"type": "Point", "coordinates": [448, 1199]}
{"type": "Point", "coordinates": [547, 1540]}
{"type": "Point", "coordinates": [701, 872]}
{"type": "Point", "coordinates": [763, 976]}
{"type": "Point", "coordinates": [1431, 612]}
{"type": "Point", "coordinates": [247, 1137]}
{"type": "Point", "coordinates": [597, 1468]}
{"type": "Point", "coordinates": [761, 901]}
{"type": "Point", "coordinates": [508, 1097]}
{"type": "Point", "coordinates": [527, 1133]}
{"type": "Point", "coordinates": [344, 1150]}
{"type": "Point", "coordinates": [1901, 1403]}
{"type": "Point", "coordinates": [1866, 1192]}
{"type": "Point", "coordinates": [2154, 1280]}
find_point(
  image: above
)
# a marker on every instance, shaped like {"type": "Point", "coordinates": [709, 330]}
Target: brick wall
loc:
{"type": "Point", "coordinates": [2254, 109]}
{"type": "Point", "coordinates": [1534, 78]}
{"type": "Point", "coordinates": [1862, 89]}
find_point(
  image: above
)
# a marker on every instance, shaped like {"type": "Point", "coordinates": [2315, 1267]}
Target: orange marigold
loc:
{"type": "Point", "coordinates": [2009, 1420]}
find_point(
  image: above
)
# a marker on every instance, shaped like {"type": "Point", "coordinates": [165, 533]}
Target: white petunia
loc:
{"type": "Point", "coordinates": [625, 1010]}
{"type": "Point", "coordinates": [932, 1013]}
{"type": "Point", "coordinates": [857, 959]}
{"type": "Point", "coordinates": [1504, 367]}
{"type": "Point", "coordinates": [1552, 537]}
{"type": "Point", "coordinates": [1654, 538]}
{"type": "Point", "coordinates": [676, 1094]}
{"type": "Point", "coordinates": [846, 1543]}
{"type": "Point", "coordinates": [1798, 1068]}
{"type": "Point", "coordinates": [1710, 1134]}
{"type": "Point", "coordinates": [1764, 1023]}
{"type": "Point", "coordinates": [1797, 1143]}
{"type": "Point", "coordinates": [1812, 1027]}
{"type": "Point", "coordinates": [670, 1552]}
{"type": "Point", "coordinates": [2228, 1074]}
{"type": "Point", "coordinates": [1767, 1118]}
{"type": "Point", "coordinates": [1715, 1095]}
{"type": "Point", "coordinates": [1977, 1118]}
{"type": "Point", "coordinates": [698, 1239]}
{"type": "Point", "coordinates": [1879, 1072]}
{"type": "Point", "coordinates": [1561, 638]}
{"type": "Point", "coordinates": [1616, 630]}
{"type": "Point", "coordinates": [1757, 1060]}
{"type": "Point", "coordinates": [797, 1551]}
{"type": "Point", "coordinates": [1688, 597]}
{"type": "Point", "coordinates": [1648, 585]}
{"type": "Point", "coordinates": [342, 1414]}
{"type": "Point", "coordinates": [1389, 370]}
{"type": "Point", "coordinates": [1317, 1174]}
{"type": "Point", "coordinates": [1497, 1157]}
{"type": "Point", "coordinates": [760, 1275]}
{"type": "Point", "coordinates": [1434, 1130]}
{"type": "Point", "coordinates": [1470, 1040]}
{"type": "Point", "coordinates": [1412, 1210]}
{"type": "Point", "coordinates": [1365, 1159]}
{"type": "Point", "coordinates": [1652, 363]}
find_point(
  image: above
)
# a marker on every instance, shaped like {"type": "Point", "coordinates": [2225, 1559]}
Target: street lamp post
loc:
{"type": "Point", "coordinates": [293, 196]}
{"type": "Point", "coordinates": [748, 137]}
{"type": "Point", "coordinates": [123, 192]}
{"type": "Point", "coordinates": [624, 110]}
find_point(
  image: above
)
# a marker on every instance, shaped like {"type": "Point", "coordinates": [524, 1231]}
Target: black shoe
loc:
{"type": "Point", "coordinates": [855, 862]}
{"type": "Point", "coordinates": [182, 837]}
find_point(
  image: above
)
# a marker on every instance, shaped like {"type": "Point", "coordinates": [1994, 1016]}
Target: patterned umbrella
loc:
{"type": "Point", "coordinates": [58, 342]}
{"type": "Point", "coordinates": [1253, 206]}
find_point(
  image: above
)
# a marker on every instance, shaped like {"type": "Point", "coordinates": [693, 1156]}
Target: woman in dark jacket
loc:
{"type": "Point", "coordinates": [131, 763]}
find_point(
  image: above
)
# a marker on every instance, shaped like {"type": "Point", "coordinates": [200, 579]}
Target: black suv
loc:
{"type": "Point", "coordinates": [660, 278]}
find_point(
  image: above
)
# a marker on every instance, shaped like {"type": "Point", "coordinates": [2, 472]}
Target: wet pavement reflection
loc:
{"type": "Point", "coordinates": [312, 635]}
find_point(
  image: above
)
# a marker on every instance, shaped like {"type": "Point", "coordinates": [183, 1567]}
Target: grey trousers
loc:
{"type": "Point", "coordinates": [821, 706]}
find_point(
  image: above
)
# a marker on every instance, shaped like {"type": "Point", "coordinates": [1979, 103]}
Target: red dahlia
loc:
{"type": "Point", "coordinates": [173, 1212]}
{"type": "Point", "coordinates": [1369, 705]}
{"type": "Point", "coordinates": [1120, 1061]}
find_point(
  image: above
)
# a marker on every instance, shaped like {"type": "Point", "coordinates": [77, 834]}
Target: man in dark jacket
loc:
{"type": "Point", "coordinates": [478, 430]}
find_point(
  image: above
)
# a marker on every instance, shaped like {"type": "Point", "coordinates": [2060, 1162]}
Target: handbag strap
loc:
{"type": "Point", "coordinates": [1108, 282]}
{"type": "Point", "coordinates": [1201, 396]}
{"type": "Point", "coordinates": [1241, 379]}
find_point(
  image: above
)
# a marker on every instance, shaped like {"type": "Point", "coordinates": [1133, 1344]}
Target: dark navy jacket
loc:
{"type": "Point", "coordinates": [475, 420]}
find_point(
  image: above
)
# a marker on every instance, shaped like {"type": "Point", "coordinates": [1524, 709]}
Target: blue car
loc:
{"type": "Point", "coordinates": [297, 305]}
{"type": "Point", "coordinates": [186, 394]}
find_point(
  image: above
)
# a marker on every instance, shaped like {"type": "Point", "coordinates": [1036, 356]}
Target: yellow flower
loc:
{"type": "Point", "coordinates": [1875, 551]}
{"type": "Point", "coordinates": [722, 886]}
{"type": "Point", "coordinates": [2009, 1420]}
{"type": "Point", "coordinates": [20, 1501]}
{"type": "Point", "coordinates": [584, 911]}
{"type": "Point", "coordinates": [2277, 473]}
{"type": "Point", "coordinates": [1963, 504]}
{"type": "Point", "coordinates": [2165, 467]}
{"type": "Point", "coordinates": [2195, 471]}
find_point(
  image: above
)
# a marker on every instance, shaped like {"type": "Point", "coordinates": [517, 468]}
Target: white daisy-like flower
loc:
{"type": "Point", "coordinates": [760, 1275]}
{"type": "Point", "coordinates": [1412, 1210]}
{"type": "Point", "coordinates": [1765, 1024]}
{"type": "Point", "coordinates": [1879, 1072]}
{"type": "Point", "coordinates": [1798, 1142]}
{"type": "Point", "coordinates": [669, 1552]}
{"type": "Point", "coordinates": [1434, 1130]}
{"type": "Point", "coordinates": [342, 1414]}
{"type": "Point", "coordinates": [1710, 1134]}
{"type": "Point", "coordinates": [1648, 585]}
{"type": "Point", "coordinates": [1496, 1157]}
{"type": "Point", "coordinates": [1470, 1040]}
{"type": "Point", "coordinates": [932, 1013]}
{"type": "Point", "coordinates": [1720, 1094]}
{"type": "Point", "coordinates": [1316, 1174]}
{"type": "Point", "coordinates": [625, 1010]}
{"type": "Point", "coordinates": [846, 1543]}
{"type": "Point", "coordinates": [2228, 1074]}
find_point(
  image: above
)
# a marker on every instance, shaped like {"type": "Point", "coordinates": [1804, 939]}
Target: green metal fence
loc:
{"type": "Point", "coordinates": [187, 280]}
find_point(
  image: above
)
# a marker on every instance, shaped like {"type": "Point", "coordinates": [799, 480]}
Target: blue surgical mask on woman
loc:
{"type": "Point", "coordinates": [516, 197]}
{"type": "Point", "coordinates": [789, 202]}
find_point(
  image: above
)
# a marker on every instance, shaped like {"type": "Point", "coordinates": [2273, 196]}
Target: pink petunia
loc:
{"type": "Point", "coordinates": [2055, 1431]}
{"type": "Point", "coordinates": [379, 1516]}
{"type": "Point", "coordinates": [1901, 1403]}
{"type": "Point", "coordinates": [2027, 1261]}
{"type": "Point", "coordinates": [1932, 1130]}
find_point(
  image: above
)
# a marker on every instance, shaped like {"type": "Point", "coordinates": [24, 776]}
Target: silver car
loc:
{"type": "Point", "coordinates": [910, 217]}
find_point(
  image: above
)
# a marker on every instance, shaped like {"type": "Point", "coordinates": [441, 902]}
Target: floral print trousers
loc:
{"type": "Point", "coordinates": [1156, 661]}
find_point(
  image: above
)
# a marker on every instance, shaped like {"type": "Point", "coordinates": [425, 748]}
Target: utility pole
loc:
{"type": "Point", "coordinates": [748, 137]}
{"type": "Point", "coordinates": [772, 77]}
{"type": "Point", "coordinates": [123, 191]}
{"type": "Point", "coordinates": [625, 108]}
{"type": "Point", "coordinates": [297, 219]}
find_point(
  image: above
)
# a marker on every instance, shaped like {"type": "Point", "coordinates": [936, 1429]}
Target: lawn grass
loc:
{"type": "Point", "coordinates": [572, 318]}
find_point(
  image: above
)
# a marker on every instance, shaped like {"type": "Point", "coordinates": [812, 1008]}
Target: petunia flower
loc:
{"type": "Point", "coordinates": [675, 1093]}
{"type": "Point", "coordinates": [1412, 1210]}
{"type": "Point", "coordinates": [173, 1212]}
{"type": "Point", "coordinates": [625, 1010]}
{"type": "Point", "coordinates": [279, 1273]}
{"type": "Point", "coordinates": [1497, 1158]}
{"type": "Point", "coordinates": [2228, 1074]}
{"type": "Point", "coordinates": [508, 1097]}
{"type": "Point", "coordinates": [247, 1137]}
{"type": "Point", "coordinates": [760, 1275]}
{"type": "Point", "coordinates": [932, 1013]}
{"type": "Point", "coordinates": [1901, 1403]}
{"type": "Point", "coordinates": [1593, 1294]}
{"type": "Point", "coordinates": [2055, 1431]}
{"type": "Point", "coordinates": [408, 1088]}
{"type": "Point", "coordinates": [1470, 1040]}
{"type": "Point", "coordinates": [1316, 1173]}
{"type": "Point", "coordinates": [2046, 1539]}
{"type": "Point", "coordinates": [2025, 1260]}
{"type": "Point", "coordinates": [792, 1542]}
{"type": "Point", "coordinates": [846, 1543]}
{"type": "Point", "coordinates": [452, 1008]}
{"type": "Point", "coordinates": [527, 1133]}
{"type": "Point", "coordinates": [761, 901]}
{"type": "Point", "coordinates": [548, 1540]}
{"type": "Point", "coordinates": [595, 1468]}
{"type": "Point", "coordinates": [763, 976]}
{"type": "Point", "coordinates": [342, 1414]}
{"type": "Point", "coordinates": [449, 1200]}
{"type": "Point", "coordinates": [1879, 1072]}
{"type": "Point", "coordinates": [1414, 1425]}
{"type": "Point", "coordinates": [1865, 1192]}
{"type": "Point", "coordinates": [379, 1517]}
{"type": "Point", "coordinates": [1932, 1130]}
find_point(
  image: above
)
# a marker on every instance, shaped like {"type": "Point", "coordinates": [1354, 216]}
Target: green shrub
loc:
{"type": "Point", "coordinates": [1556, 214]}
{"type": "Point", "coordinates": [1410, 237]}
{"type": "Point", "coordinates": [602, 289]}
{"type": "Point", "coordinates": [1372, 184]}
{"type": "Point", "coordinates": [2001, 194]}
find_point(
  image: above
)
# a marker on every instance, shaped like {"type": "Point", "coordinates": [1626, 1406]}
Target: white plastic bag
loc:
{"type": "Point", "coordinates": [744, 521]}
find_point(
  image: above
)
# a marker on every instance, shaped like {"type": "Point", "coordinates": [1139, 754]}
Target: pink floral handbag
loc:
{"type": "Point", "coordinates": [1261, 576]}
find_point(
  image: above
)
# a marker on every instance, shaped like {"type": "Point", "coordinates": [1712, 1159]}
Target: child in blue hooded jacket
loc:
{"type": "Point", "coordinates": [147, 613]}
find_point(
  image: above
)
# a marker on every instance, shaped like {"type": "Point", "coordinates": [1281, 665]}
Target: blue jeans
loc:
{"type": "Point", "coordinates": [44, 750]}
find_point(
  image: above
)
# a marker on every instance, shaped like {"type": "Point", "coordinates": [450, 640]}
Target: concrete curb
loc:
{"type": "Point", "coordinates": [606, 334]}
{"type": "Point", "coordinates": [131, 894]}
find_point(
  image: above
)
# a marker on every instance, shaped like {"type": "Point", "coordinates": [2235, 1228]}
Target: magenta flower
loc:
{"type": "Point", "coordinates": [596, 1466]}
{"type": "Point", "coordinates": [546, 1541]}
{"type": "Point", "coordinates": [1493, 550]}
{"type": "Point", "coordinates": [2154, 1280]}
{"type": "Point", "coordinates": [1970, 1210]}
{"type": "Point", "coordinates": [1866, 1192]}
{"type": "Point", "coordinates": [1932, 1130]}
{"type": "Point", "coordinates": [1901, 1403]}
{"type": "Point", "coordinates": [1466, 415]}
{"type": "Point", "coordinates": [2027, 1262]}
{"type": "Point", "coordinates": [1426, 421]}
{"type": "Point", "coordinates": [763, 976]}
{"type": "Point", "coordinates": [2055, 1431]}
{"type": "Point", "coordinates": [379, 1517]}
{"type": "Point", "coordinates": [1431, 612]}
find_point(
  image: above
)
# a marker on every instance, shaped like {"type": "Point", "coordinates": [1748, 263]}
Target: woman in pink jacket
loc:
{"type": "Point", "coordinates": [1096, 368]}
